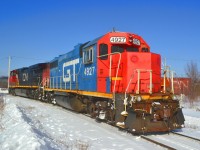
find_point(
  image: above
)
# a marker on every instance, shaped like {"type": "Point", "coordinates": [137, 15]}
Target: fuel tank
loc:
{"type": "Point", "coordinates": [70, 101]}
{"type": "Point", "coordinates": [21, 92]}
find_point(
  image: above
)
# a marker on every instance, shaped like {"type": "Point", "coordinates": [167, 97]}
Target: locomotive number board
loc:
{"type": "Point", "coordinates": [118, 39]}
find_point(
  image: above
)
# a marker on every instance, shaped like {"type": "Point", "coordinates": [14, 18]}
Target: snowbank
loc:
{"type": "Point", "coordinates": [4, 90]}
{"type": "Point", "coordinates": [16, 133]}
{"type": "Point", "coordinates": [29, 124]}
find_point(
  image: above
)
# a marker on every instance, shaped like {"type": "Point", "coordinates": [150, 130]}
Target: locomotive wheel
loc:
{"type": "Point", "coordinates": [91, 110]}
{"type": "Point", "coordinates": [12, 91]}
{"type": "Point", "coordinates": [110, 116]}
{"type": "Point", "coordinates": [49, 97]}
{"type": "Point", "coordinates": [36, 95]}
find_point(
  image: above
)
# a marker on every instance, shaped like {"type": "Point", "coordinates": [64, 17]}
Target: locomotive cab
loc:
{"type": "Point", "coordinates": [13, 79]}
{"type": "Point", "coordinates": [125, 64]}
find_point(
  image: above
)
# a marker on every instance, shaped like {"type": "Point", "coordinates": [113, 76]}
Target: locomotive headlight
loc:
{"type": "Point", "coordinates": [174, 97]}
{"type": "Point", "coordinates": [136, 41]}
{"type": "Point", "coordinates": [139, 98]}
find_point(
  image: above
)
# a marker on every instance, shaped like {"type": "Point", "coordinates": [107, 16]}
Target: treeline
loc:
{"type": "Point", "coordinates": [193, 73]}
{"type": "Point", "coordinates": [3, 82]}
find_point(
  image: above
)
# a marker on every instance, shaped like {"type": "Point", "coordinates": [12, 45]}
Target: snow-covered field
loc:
{"type": "Point", "coordinates": [29, 124]}
{"type": "Point", "coordinates": [4, 90]}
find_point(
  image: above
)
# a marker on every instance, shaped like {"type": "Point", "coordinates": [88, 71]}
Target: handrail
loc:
{"type": "Point", "coordinates": [150, 82]}
{"type": "Point", "coordinates": [172, 81]}
{"type": "Point", "coordinates": [171, 76]}
{"type": "Point", "coordinates": [129, 83]}
{"type": "Point", "coordinates": [138, 82]}
{"type": "Point", "coordinates": [110, 70]}
{"type": "Point", "coordinates": [125, 113]}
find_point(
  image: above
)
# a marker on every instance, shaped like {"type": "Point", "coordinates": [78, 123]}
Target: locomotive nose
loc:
{"type": "Point", "coordinates": [143, 73]}
{"type": "Point", "coordinates": [134, 58]}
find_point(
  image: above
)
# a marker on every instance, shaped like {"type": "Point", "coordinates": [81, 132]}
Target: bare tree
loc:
{"type": "Point", "coordinates": [3, 82]}
{"type": "Point", "coordinates": [2, 106]}
{"type": "Point", "coordinates": [194, 86]}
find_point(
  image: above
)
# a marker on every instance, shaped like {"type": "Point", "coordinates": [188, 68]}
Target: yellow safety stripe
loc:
{"type": "Point", "coordinates": [98, 94]}
{"type": "Point", "coordinates": [153, 97]}
{"type": "Point", "coordinates": [29, 87]}
{"type": "Point", "coordinates": [86, 93]}
{"type": "Point", "coordinates": [116, 78]}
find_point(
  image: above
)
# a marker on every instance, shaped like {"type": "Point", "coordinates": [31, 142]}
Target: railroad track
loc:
{"type": "Point", "coordinates": [174, 144]}
{"type": "Point", "coordinates": [193, 138]}
{"type": "Point", "coordinates": [158, 143]}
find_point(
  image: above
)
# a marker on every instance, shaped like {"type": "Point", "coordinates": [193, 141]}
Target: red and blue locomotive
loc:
{"type": "Point", "coordinates": [114, 78]}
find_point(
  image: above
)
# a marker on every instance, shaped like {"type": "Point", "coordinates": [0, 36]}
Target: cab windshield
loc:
{"type": "Point", "coordinates": [121, 49]}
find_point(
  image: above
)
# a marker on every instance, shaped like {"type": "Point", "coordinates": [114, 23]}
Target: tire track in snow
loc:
{"type": "Point", "coordinates": [44, 138]}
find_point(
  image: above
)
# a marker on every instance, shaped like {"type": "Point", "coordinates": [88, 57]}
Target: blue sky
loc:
{"type": "Point", "coordinates": [33, 31]}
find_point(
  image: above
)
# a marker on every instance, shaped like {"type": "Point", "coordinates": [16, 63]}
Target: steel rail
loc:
{"type": "Point", "coordinates": [193, 138]}
{"type": "Point", "coordinates": [157, 143]}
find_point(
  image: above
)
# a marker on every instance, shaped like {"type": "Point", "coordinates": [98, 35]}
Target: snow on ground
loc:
{"type": "Point", "coordinates": [192, 118]}
{"type": "Point", "coordinates": [29, 124]}
{"type": "Point", "coordinates": [192, 123]}
{"type": "Point", "coordinates": [4, 90]}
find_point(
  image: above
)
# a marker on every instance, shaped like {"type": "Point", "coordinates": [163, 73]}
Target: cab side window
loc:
{"type": "Point", "coordinates": [88, 55]}
{"type": "Point", "coordinates": [145, 49]}
{"type": "Point", "coordinates": [103, 51]}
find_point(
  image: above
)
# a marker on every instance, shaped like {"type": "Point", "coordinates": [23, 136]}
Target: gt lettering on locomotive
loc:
{"type": "Point", "coordinates": [67, 76]}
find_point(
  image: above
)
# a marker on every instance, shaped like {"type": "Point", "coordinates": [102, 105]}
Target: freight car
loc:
{"type": "Point", "coordinates": [113, 78]}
